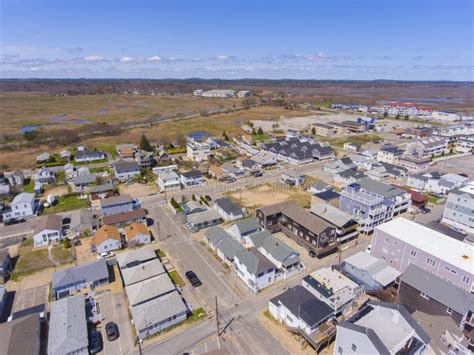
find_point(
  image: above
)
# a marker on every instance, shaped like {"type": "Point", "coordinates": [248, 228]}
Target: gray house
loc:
{"type": "Point", "coordinates": [150, 289]}
{"type": "Point", "coordinates": [116, 204]}
{"type": "Point", "coordinates": [244, 227]}
{"type": "Point", "coordinates": [24, 205]}
{"type": "Point", "coordinates": [223, 244]}
{"type": "Point", "coordinates": [227, 209]}
{"type": "Point", "coordinates": [125, 169]}
{"type": "Point", "coordinates": [135, 257]}
{"type": "Point", "coordinates": [459, 209]}
{"type": "Point", "coordinates": [83, 223]}
{"type": "Point", "coordinates": [89, 275]}
{"type": "Point", "coordinates": [68, 327]}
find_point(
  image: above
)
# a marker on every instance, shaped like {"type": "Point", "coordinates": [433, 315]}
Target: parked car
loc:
{"type": "Point", "coordinates": [105, 255]}
{"type": "Point", "coordinates": [368, 249]}
{"type": "Point", "coordinates": [312, 254]}
{"type": "Point", "coordinates": [12, 221]}
{"type": "Point", "coordinates": [191, 276]}
{"type": "Point", "coordinates": [111, 330]}
{"type": "Point", "coordinates": [425, 210]}
{"type": "Point", "coordinates": [207, 197]}
{"type": "Point", "coordinates": [96, 343]}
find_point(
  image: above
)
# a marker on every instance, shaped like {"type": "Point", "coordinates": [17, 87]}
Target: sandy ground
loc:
{"type": "Point", "coordinates": [37, 279]}
{"type": "Point", "coordinates": [57, 190]}
{"type": "Point", "coordinates": [138, 190]}
{"type": "Point", "coordinates": [83, 251]}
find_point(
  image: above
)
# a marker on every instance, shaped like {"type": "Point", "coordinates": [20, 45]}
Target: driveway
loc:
{"type": "Point", "coordinates": [114, 309]}
{"type": "Point", "coordinates": [30, 297]}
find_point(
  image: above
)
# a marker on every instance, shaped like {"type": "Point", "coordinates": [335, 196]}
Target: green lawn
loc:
{"type": "Point", "coordinates": [99, 169]}
{"type": "Point", "coordinates": [67, 203]}
{"type": "Point", "coordinates": [357, 139]}
{"type": "Point", "coordinates": [260, 137]}
{"type": "Point", "coordinates": [178, 150]}
{"type": "Point", "coordinates": [177, 280]}
{"type": "Point", "coordinates": [29, 186]}
{"type": "Point", "coordinates": [160, 253]}
{"type": "Point", "coordinates": [30, 260]}
{"type": "Point", "coordinates": [75, 163]}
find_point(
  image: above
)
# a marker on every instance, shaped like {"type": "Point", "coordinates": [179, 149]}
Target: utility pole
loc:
{"type": "Point", "coordinates": [217, 319]}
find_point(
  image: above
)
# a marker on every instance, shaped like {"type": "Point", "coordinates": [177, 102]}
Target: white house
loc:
{"type": "Point", "coordinates": [24, 205]}
{"type": "Point", "coordinates": [244, 227]}
{"type": "Point", "coordinates": [192, 178]}
{"type": "Point", "coordinates": [227, 209]}
{"type": "Point", "coordinates": [136, 234]}
{"type": "Point", "coordinates": [107, 238]}
{"type": "Point", "coordinates": [89, 156]}
{"type": "Point", "coordinates": [168, 181]}
{"type": "Point", "coordinates": [292, 178]}
{"type": "Point", "coordinates": [48, 229]}
{"type": "Point", "coordinates": [254, 269]}
{"type": "Point", "coordinates": [125, 169]}
{"type": "Point", "coordinates": [445, 116]}
{"type": "Point", "coordinates": [44, 176]}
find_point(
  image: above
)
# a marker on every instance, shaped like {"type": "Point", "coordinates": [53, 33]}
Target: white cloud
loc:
{"type": "Point", "coordinates": [221, 57]}
{"type": "Point", "coordinates": [155, 58]}
{"type": "Point", "coordinates": [126, 60]}
{"type": "Point", "coordinates": [94, 58]}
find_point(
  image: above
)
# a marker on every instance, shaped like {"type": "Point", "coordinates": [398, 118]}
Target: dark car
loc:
{"type": "Point", "coordinates": [191, 276]}
{"type": "Point", "coordinates": [111, 330]}
{"type": "Point", "coordinates": [207, 197]}
{"type": "Point", "coordinates": [95, 341]}
{"type": "Point", "coordinates": [10, 222]}
{"type": "Point", "coordinates": [425, 210]}
{"type": "Point", "coordinates": [312, 254]}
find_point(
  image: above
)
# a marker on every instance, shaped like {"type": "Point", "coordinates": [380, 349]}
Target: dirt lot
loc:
{"type": "Point", "coordinates": [268, 194]}
{"type": "Point", "coordinates": [138, 190]}
{"type": "Point", "coordinates": [83, 251]}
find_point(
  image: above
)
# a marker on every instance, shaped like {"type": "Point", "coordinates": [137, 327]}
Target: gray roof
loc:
{"type": "Point", "coordinates": [49, 222]}
{"type": "Point", "coordinates": [228, 206]}
{"type": "Point", "coordinates": [258, 237]}
{"type": "Point", "coordinates": [142, 272]}
{"type": "Point", "coordinates": [84, 179]}
{"type": "Point", "coordinates": [331, 214]}
{"type": "Point", "coordinates": [439, 289]}
{"type": "Point", "coordinates": [216, 234]}
{"type": "Point", "coordinates": [83, 218]}
{"type": "Point", "coordinates": [254, 261]}
{"type": "Point", "coordinates": [115, 200]}
{"type": "Point", "coordinates": [319, 185]}
{"type": "Point", "coordinates": [68, 326]}
{"type": "Point", "coordinates": [247, 225]}
{"type": "Point", "coordinates": [379, 188]}
{"type": "Point", "coordinates": [193, 207]}
{"type": "Point", "coordinates": [230, 247]}
{"type": "Point", "coordinates": [89, 272]}
{"type": "Point", "coordinates": [89, 154]}
{"type": "Point", "coordinates": [21, 336]}
{"type": "Point", "coordinates": [202, 217]}
{"type": "Point", "coordinates": [125, 166]}
{"type": "Point", "coordinates": [149, 289]}
{"type": "Point", "coordinates": [157, 310]}
{"type": "Point", "coordinates": [24, 197]}
{"type": "Point", "coordinates": [139, 255]}
{"type": "Point", "coordinates": [293, 174]}
{"type": "Point", "coordinates": [101, 188]}
{"type": "Point", "coordinates": [378, 269]}
{"type": "Point", "coordinates": [280, 251]}
{"type": "Point", "coordinates": [304, 218]}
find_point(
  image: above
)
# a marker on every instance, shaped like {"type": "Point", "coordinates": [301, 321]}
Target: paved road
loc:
{"type": "Point", "coordinates": [244, 327]}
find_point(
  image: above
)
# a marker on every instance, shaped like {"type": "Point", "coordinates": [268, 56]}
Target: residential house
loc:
{"type": "Point", "coordinates": [121, 220]}
{"type": "Point", "coordinates": [197, 146]}
{"type": "Point", "coordinates": [141, 272]}
{"type": "Point", "coordinates": [5, 266]}
{"type": "Point", "coordinates": [65, 155]}
{"type": "Point", "coordinates": [400, 109]}
{"type": "Point", "coordinates": [352, 146]}
{"type": "Point", "coordinates": [126, 151]}
{"type": "Point", "coordinates": [286, 260]}
{"type": "Point", "coordinates": [318, 187]}
{"type": "Point", "coordinates": [106, 238]}
{"type": "Point", "coordinates": [197, 221]}
{"type": "Point", "coordinates": [322, 129]}
{"type": "Point", "coordinates": [264, 159]}
{"type": "Point", "coordinates": [157, 170]}
{"type": "Point", "coordinates": [68, 327]}
{"type": "Point", "coordinates": [168, 181]}
{"type": "Point", "coordinates": [158, 314]}
{"type": "Point", "coordinates": [349, 177]}
{"type": "Point", "coordinates": [444, 256]}
{"type": "Point", "coordinates": [223, 244]}
{"type": "Point", "coordinates": [292, 178]}
{"type": "Point", "coordinates": [192, 178]}
{"type": "Point", "coordinates": [17, 178]}
{"type": "Point", "coordinates": [250, 166]}
{"type": "Point", "coordinates": [293, 151]}
{"type": "Point", "coordinates": [418, 200]}
{"type": "Point", "coordinates": [381, 328]}
{"type": "Point", "coordinates": [371, 273]}
{"type": "Point", "coordinates": [333, 288]}
{"type": "Point", "coordinates": [414, 164]}
{"type": "Point", "coordinates": [5, 188]}
{"type": "Point", "coordinates": [148, 290]}
{"type": "Point", "coordinates": [116, 204]}
{"type": "Point", "coordinates": [81, 183]}
{"type": "Point", "coordinates": [300, 225]}
{"type": "Point", "coordinates": [459, 209]}
{"type": "Point", "coordinates": [44, 176]}
{"type": "Point", "coordinates": [66, 282]}
{"type": "Point", "coordinates": [427, 293]}
{"type": "Point", "coordinates": [244, 227]}
{"type": "Point", "coordinates": [339, 165]}
{"type": "Point", "coordinates": [100, 192]}
{"type": "Point", "coordinates": [83, 222]}
{"type": "Point", "coordinates": [192, 206]}
{"type": "Point", "coordinates": [323, 152]}
{"type": "Point", "coordinates": [233, 171]}
{"type": "Point", "coordinates": [227, 209]}
{"type": "Point", "coordinates": [339, 128]}
{"type": "Point", "coordinates": [299, 309]}
{"type": "Point", "coordinates": [254, 269]}
{"type": "Point", "coordinates": [43, 157]}
{"type": "Point", "coordinates": [427, 147]}
{"type": "Point", "coordinates": [435, 183]}
{"type": "Point", "coordinates": [162, 156]}
{"type": "Point", "coordinates": [345, 225]}
{"type": "Point", "coordinates": [389, 154]}
{"type": "Point", "coordinates": [89, 156]}
{"type": "Point", "coordinates": [24, 205]}
{"type": "Point", "coordinates": [354, 126]}
{"type": "Point", "coordinates": [144, 159]}
{"type": "Point", "coordinates": [48, 229]}
{"type": "Point", "coordinates": [216, 172]}
{"type": "Point", "coordinates": [125, 169]}
{"type": "Point", "coordinates": [372, 203]}
{"type": "Point", "coordinates": [135, 257]}
{"type": "Point", "coordinates": [137, 234]}
{"type": "Point", "coordinates": [329, 197]}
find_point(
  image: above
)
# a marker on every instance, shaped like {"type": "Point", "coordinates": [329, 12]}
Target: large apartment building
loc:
{"type": "Point", "coordinates": [197, 146]}
{"type": "Point", "coordinates": [372, 203]}
{"type": "Point", "coordinates": [427, 147]}
{"type": "Point", "coordinates": [459, 209]}
{"type": "Point", "coordinates": [402, 242]}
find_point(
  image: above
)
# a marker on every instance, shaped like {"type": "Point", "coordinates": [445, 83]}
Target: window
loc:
{"type": "Point", "coordinates": [465, 279]}
{"type": "Point", "coordinates": [424, 295]}
{"type": "Point", "coordinates": [354, 347]}
{"type": "Point", "coordinates": [449, 310]}
{"type": "Point", "coordinates": [387, 240]}
{"type": "Point", "coordinates": [447, 268]}
{"type": "Point", "coordinates": [430, 262]}
{"type": "Point", "coordinates": [339, 350]}
{"type": "Point", "coordinates": [413, 253]}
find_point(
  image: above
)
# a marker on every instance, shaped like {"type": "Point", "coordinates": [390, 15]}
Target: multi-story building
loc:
{"type": "Point", "coordinates": [322, 129]}
{"type": "Point", "coordinates": [400, 108]}
{"type": "Point", "coordinates": [459, 209]}
{"type": "Point", "coordinates": [372, 203]}
{"type": "Point", "coordinates": [389, 154]}
{"type": "Point", "coordinates": [414, 164]}
{"type": "Point", "coordinates": [427, 147]}
{"type": "Point", "coordinates": [402, 242]}
{"type": "Point", "coordinates": [24, 205]}
{"type": "Point", "coordinates": [197, 146]}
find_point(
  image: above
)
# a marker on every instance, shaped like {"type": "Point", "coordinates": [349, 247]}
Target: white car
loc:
{"type": "Point", "coordinates": [368, 249]}
{"type": "Point", "coordinates": [106, 255]}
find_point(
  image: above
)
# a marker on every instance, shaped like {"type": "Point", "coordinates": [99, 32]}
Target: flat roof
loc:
{"type": "Point", "coordinates": [455, 252]}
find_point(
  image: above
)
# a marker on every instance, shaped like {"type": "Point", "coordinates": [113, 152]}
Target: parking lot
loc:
{"type": "Point", "coordinates": [464, 164]}
{"type": "Point", "coordinates": [113, 308]}
{"type": "Point", "coordinates": [30, 297]}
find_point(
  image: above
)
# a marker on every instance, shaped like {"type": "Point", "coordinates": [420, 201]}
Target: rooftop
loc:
{"type": "Point", "coordinates": [136, 255]}
{"type": "Point", "coordinates": [378, 269]}
{"type": "Point", "coordinates": [331, 214]}
{"type": "Point", "coordinates": [104, 233]}
{"type": "Point", "coordinates": [439, 245]}
{"type": "Point", "coordinates": [89, 272]}
{"type": "Point", "coordinates": [202, 217]}
{"type": "Point", "coordinates": [152, 288]}
{"type": "Point", "coordinates": [142, 272]}
{"type": "Point", "coordinates": [124, 217]}
{"type": "Point", "coordinates": [135, 228]}
{"type": "Point", "coordinates": [20, 336]}
{"type": "Point", "coordinates": [228, 206]}
{"type": "Point", "coordinates": [254, 261]}
{"type": "Point", "coordinates": [115, 200]}
{"type": "Point", "coordinates": [49, 222]}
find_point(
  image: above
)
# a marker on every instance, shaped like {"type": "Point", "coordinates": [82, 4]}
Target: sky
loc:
{"type": "Point", "coordinates": [228, 39]}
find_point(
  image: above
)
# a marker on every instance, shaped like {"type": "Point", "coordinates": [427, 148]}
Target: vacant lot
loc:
{"type": "Point", "coordinates": [67, 203]}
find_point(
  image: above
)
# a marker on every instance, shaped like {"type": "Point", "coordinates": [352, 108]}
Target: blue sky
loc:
{"type": "Point", "coordinates": [333, 39]}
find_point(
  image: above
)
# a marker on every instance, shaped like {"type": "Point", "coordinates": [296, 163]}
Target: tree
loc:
{"type": "Point", "coordinates": [145, 144]}
{"type": "Point", "coordinates": [397, 117]}
{"type": "Point", "coordinates": [67, 243]}
{"type": "Point", "coordinates": [193, 197]}
{"type": "Point", "coordinates": [313, 130]}
{"type": "Point", "coordinates": [407, 117]}
{"type": "Point", "coordinates": [254, 132]}
{"type": "Point", "coordinates": [260, 130]}
{"type": "Point", "coordinates": [226, 137]}
{"type": "Point", "coordinates": [385, 114]}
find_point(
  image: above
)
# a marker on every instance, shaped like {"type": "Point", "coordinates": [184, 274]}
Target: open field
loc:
{"type": "Point", "coordinates": [67, 203]}
{"type": "Point", "coordinates": [24, 157]}
{"type": "Point", "coordinates": [23, 109]}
